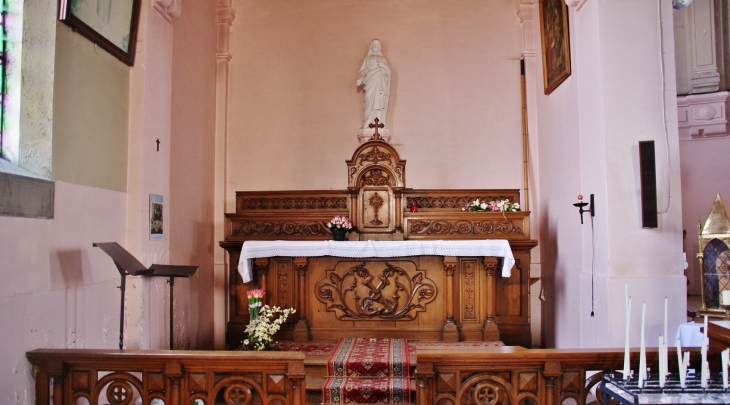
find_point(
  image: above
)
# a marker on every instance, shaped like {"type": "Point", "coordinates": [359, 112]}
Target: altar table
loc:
{"type": "Point", "coordinates": [381, 249]}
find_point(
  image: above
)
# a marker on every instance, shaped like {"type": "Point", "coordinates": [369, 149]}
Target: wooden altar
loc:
{"type": "Point", "coordinates": [447, 298]}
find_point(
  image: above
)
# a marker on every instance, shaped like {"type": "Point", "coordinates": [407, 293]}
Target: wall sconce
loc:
{"type": "Point", "coordinates": [580, 204]}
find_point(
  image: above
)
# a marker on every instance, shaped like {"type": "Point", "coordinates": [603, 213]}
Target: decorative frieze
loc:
{"type": "Point", "coordinates": [419, 227]}
{"type": "Point", "coordinates": [297, 203]}
{"type": "Point", "coordinates": [270, 228]}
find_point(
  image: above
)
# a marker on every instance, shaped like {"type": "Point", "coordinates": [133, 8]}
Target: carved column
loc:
{"type": "Point", "coordinates": [261, 266]}
{"type": "Point", "coordinates": [301, 329]}
{"type": "Point", "coordinates": [450, 332]}
{"type": "Point", "coordinates": [424, 384]}
{"type": "Point", "coordinates": [174, 373]}
{"type": "Point", "coordinates": [55, 369]}
{"type": "Point", "coordinates": [552, 373]}
{"type": "Point", "coordinates": [354, 220]}
{"type": "Point", "coordinates": [398, 210]}
{"type": "Point", "coordinates": [225, 17]}
{"type": "Point", "coordinates": [491, 330]}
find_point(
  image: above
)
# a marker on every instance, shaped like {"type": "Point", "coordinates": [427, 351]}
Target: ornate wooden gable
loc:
{"type": "Point", "coordinates": [376, 180]}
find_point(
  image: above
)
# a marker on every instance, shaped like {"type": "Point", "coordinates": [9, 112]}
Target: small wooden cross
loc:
{"type": "Point", "coordinates": [158, 144]}
{"type": "Point", "coordinates": [376, 135]}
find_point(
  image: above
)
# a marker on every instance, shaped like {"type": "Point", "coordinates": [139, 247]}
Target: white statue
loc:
{"type": "Point", "coordinates": [375, 79]}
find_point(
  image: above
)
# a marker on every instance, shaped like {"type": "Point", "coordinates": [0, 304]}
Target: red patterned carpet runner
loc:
{"type": "Point", "coordinates": [368, 371]}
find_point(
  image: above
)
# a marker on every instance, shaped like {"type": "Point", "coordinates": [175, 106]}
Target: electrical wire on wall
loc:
{"type": "Point", "coordinates": [664, 107]}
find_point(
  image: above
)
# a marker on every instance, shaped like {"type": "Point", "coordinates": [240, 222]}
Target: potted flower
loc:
{"type": "Point", "coordinates": [339, 225]}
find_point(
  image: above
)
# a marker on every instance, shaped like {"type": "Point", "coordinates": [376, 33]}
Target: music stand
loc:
{"type": "Point", "coordinates": [128, 265]}
{"type": "Point", "coordinates": [171, 271]}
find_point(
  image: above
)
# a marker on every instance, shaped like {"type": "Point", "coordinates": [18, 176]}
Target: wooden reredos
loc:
{"type": "Point", "coordinates": [468, 299]}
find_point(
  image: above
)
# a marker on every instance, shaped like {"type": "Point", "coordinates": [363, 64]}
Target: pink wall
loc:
{"type": "Point", "coordinates": [295, 110]}
{"type": "Point", "coordinates": [704, 170]}
{"type": "Point", "coordinates": [191, 171]}
{"type": "Point", "coordinates": [57, 290]}
{"type": "Point", "coordinates": [614, 98]}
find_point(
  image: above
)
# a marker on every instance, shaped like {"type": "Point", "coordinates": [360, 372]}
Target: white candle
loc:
{"type": "Point", "coordinates": [725, 354]}
{"type": "Point", "coordinates": [726, 297]}
{"type": "Point", "coordinates": [665, 320]}
{"type": "Point", "coordinates": [662, 362]}
{"type": "Point", "coordinates": [680, 363]}
{"type": "Point", "coordinates": [627, 365]}
{"type": "Point", "coordinates": [685, 366]}
{"type": "Point", "coordinates": [642, 351]}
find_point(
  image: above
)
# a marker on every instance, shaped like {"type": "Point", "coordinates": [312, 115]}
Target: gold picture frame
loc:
{"type": "Point", "coordinates": [555, 38]}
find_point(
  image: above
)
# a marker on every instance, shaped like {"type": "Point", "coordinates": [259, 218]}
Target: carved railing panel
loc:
{"type": "Point", "coordinates": [513, 375]}
{"type": "Point", "coordinates": [240, 378]}
{"type": "Point", "coordinates": [376, 290]}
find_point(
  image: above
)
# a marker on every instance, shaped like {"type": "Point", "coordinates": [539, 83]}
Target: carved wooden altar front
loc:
{"type": "Point", "coordinates": [419, 297]}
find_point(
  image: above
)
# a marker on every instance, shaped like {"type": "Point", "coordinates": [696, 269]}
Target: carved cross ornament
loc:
{"type": "Point", "coordinates": [376, 125]}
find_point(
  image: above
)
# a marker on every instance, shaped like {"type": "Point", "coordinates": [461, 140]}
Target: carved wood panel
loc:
{"type": "Point", "coordinates": [470, 301]}
{"type": "Point", "coordinates": [365, 291]}
{"type": "Point", "coordinates": [377, 209]}
{"type": "Point", "coordinates": [245, 228]}
{"type": "Point", "coordinates": [435, 227]}
{"type": "Point", "coordinates": [284, 280]}
{"type": "Point", "coordinates": [292, 203]}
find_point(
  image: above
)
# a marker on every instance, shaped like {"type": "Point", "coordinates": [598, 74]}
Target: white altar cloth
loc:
{"type": "Point", "coordinates": [361, 249]}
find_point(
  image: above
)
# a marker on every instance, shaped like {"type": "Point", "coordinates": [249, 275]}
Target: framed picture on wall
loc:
{"type": "Point", "coordinates": [110, 24]}
{"type": "Point", "coordinates": [555, 43]}
{"type": "Point", "coordinates": [156, 222]}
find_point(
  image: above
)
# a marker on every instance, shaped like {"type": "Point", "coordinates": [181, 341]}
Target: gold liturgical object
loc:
{"type": "Point", "coordinates": [714, 255]}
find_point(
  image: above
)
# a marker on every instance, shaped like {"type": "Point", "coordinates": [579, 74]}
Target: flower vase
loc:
{"type": "Point", "coordinates": [338, 234]}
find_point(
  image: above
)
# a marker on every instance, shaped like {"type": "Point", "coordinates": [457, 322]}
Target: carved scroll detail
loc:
{"type": "Point", "coordinates": [353, 295]}
{"type": "Point", "coordinates": [283, 284]}
{"type": "Point", "coordinates": [270, 228]}
{"type": "Point", "coordinates": [375, 156]}
{"type": "Point", "coordinates": [375, 177]}
{"type": "Point", "coordinates": [462, 227]}
{"type": "Point", "coordinates": [469, 301]}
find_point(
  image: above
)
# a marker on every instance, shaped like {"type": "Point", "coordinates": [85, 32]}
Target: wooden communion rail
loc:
{"type": "Point", "coordinates": [443, 376]}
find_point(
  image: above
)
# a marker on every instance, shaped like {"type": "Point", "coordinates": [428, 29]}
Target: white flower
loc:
{"type": "Point", "coordinates": [516, 206]}
{"type": "Point", "coordinates": [483, 206]}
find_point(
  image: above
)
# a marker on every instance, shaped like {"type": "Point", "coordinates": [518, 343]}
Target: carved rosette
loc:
{"type": "Point", "coordinates": [279, 228]}
{"type": "Point", "coordinates": [354, 295]}
{"type": "Point", "coordinates": [463, 227]}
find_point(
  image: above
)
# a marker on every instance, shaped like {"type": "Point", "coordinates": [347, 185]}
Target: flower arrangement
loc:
{"type": "Point", "coordinates": [339, 223]}
{"type": "Point", "coordinates": [265, 322]}
{"type": "Point", "coordinates": [495, 205]}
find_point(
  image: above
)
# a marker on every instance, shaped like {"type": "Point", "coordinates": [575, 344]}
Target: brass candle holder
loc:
{"type": "Point", "coordinates": [726, 307]}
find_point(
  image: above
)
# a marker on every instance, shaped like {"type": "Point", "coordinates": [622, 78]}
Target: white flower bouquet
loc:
{"type": "Point", "coordinates": [492, 206]}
